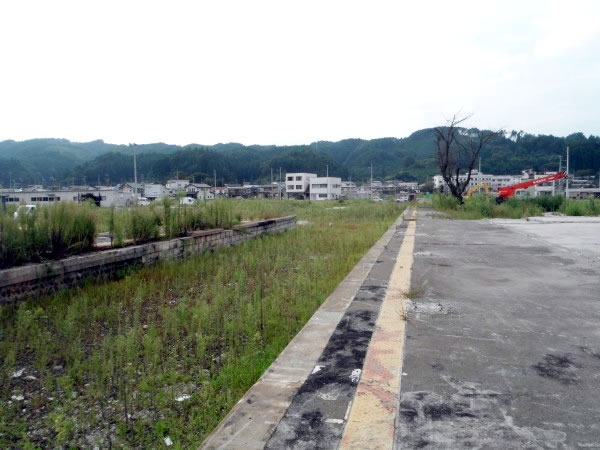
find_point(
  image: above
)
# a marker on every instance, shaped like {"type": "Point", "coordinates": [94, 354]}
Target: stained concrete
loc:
{"type": "Point", "coordinates": [503, 343]}
{"type": "Point", "coordinates": [578, 234]}
{"type": "Point", "coordinates": [318, 412]}
{"type": "Point", "coordinates": [251, 423]}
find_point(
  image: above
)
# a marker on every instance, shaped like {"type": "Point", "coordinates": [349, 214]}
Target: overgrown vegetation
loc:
{"type": "Point", "coordinates": [52, 232]}
{"type": "Point", "coordinates": [64, 229]}
{"type": "Point", "coordinates": [168, 350]}
{"type": "Point", "coordinates": [482, 206]}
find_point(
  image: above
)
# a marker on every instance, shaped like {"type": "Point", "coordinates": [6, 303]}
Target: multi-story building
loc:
{"type": "Point", "coordinates": [325, 188]}
{"type": "Point", "coordinates": [494, 181]}
{"type": "Point", "coordinates": [297, 184]}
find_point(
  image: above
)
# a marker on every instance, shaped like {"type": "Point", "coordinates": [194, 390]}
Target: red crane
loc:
{"type": "Point", "coordinates": [509, 191]}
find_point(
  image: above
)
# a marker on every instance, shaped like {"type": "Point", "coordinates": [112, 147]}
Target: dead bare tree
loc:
{"type": "Point", "coordinates": [457, 151]}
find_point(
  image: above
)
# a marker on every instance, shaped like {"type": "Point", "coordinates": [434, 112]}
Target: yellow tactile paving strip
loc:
{"type": "Point", "coordinates": [372, 417]}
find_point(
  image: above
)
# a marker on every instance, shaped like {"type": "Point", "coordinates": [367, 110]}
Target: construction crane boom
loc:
{"type": "Point", "coordinates": [509, 191]}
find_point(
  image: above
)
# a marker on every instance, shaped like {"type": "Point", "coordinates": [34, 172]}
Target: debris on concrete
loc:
{"type": "Point", "coordinates": [17, 373]}
{"type": "Point", "coordinates": [317, 368]}
{"type": "Point", "coordinates": [355, 375]}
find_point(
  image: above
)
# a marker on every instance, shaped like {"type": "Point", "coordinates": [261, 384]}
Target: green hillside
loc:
{"type": "Point", "coordinates": [411, 158]}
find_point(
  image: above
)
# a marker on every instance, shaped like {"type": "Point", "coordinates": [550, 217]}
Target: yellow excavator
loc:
{"type": "Point", "coordinates": [477, 187]}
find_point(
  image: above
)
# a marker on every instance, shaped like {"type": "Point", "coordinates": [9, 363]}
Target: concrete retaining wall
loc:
{"type": "Point", "coordinates": [41, 279]}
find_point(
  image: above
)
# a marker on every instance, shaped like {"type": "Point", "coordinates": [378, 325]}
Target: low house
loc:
{"type": "Point", "coordinates": [200, 191]}
{"type": "Point", "coordinates": [269, 191]}
{"type": "Point", "coordinates": [245, 191]}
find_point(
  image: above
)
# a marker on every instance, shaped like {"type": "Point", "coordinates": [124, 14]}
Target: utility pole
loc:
{"type": "Point", "coordinates": [559, 169]}
{"type": "Point", "coordinates": [327, 166]}
{"type": "Point", "coordinates": [371, 181]}
{"type": "Point", "coordinates": [279, 183]}
{"type": "Point", "coordinates": [215, 174]}
{"type": "Point", "coordinates": [480, 165]}
{"type": "Point", "coordinates": [567, 180]}
{"type": "Point", "coordinates": [134, 176]}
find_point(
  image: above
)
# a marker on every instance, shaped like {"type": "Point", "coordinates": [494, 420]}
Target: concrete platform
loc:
{"type": "Point", "coordinates": [503, 342]}
{"type": "Point", "coordinates": [302, 398]}
{"type": "Point", "coordinates": [500, 346]}
{"type": "Point", "coordinates": [580, 234]}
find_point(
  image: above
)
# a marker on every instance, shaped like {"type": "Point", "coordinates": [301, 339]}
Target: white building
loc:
{"type": "Point", "coordinates": [325, 188]}
{"type": "Point", "coordinates": [105, 197]}
{"type": "Point", "coordinates": [494, 181]}
{"type": "Point", "coordinates": [155, 191]}
{"type": "Point", "coordinates": [200, 191]}
{"type": "Point", "coordinates": [348, 187]}
{"type": "Point", "coordinates": [174, 186]}
{"type": "Point", "coordinates": [297, 184]}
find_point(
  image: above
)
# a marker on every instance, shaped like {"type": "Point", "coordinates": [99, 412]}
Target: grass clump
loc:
{"type": "Point", "coordinates": [142, 224]}
{"type": "Point", "coordinates": [169, 349]}
{"type": "Point", "coordinates": [482, 207]}
{"type": "Point", "coordinates": [48, 232]}
{"type": "Point", "coordinates": [587, 207]}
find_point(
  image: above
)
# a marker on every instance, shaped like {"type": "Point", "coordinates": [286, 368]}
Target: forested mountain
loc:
{"type": "Point", "coordinates": [412, 157]}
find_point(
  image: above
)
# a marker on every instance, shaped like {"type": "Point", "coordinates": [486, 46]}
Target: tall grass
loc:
{"type": "Point", "coordinates": [587, 207]}
{"type": "Point", "coordinates": [49, 232]}
{"type": "Point", "coordinates": [115, 362]}
{"type": "Point", "coordinates": [481, 207]}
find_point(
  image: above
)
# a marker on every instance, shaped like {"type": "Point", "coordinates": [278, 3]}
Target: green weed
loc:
{"type": "Point", "coordinates": [169, 349]}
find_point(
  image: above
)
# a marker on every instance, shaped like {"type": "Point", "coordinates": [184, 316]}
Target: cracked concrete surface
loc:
{"type": "Point", "coordinates": [503, 346]}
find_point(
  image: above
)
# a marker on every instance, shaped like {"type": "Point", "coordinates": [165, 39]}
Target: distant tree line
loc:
{"type": "Point", "coordinates": [411, 158]}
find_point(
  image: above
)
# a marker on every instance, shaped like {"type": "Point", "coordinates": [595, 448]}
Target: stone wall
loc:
{"type": "Point", "coordinates": [40, 279]}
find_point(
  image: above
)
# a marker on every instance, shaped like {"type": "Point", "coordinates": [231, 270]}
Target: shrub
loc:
{"type": "Point", "coordinates": [549, 203]}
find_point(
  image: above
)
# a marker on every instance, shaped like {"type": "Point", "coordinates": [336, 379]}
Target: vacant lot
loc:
{"type": "Point", "coordinates": [166, 351]}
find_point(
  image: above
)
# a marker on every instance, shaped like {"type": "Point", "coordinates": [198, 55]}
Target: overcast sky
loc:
{"type": "Point", "coordinates": [282, 72]}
